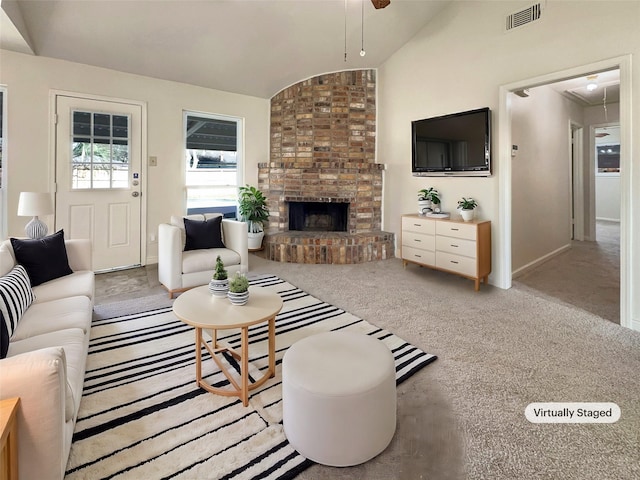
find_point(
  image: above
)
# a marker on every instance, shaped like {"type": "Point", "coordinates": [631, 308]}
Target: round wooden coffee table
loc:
{"type": "Point", "coordinates": [200, 309]}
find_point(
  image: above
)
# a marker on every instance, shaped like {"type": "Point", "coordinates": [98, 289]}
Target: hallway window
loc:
{"type": "Point", "coordinates": [212, 162]}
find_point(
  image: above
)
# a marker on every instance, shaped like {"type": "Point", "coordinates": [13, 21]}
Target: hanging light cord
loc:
{"type": "Point", "coordinates": [362, 52]}
{"type": "Point", "coordinates": [345, 30]}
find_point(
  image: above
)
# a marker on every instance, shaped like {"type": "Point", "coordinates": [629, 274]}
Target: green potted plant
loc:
{"type": "Point", "coordinates": [467, 207]}
{"type": "Point", "coordinates": [238, 289]}
{"type": "Point", "coordinates": [253, 210]}
{"type": "Point", "coordinates": [427, 197]}
{"type": "Point", "coordinates": [219, 284]}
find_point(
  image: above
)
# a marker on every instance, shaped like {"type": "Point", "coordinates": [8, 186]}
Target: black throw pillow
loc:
{"type": "Point", "coordinates": [203, 234]}
{"type": "Point", "coordinates": [44, 258]}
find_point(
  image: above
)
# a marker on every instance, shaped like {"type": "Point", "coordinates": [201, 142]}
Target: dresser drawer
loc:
{"type": "Point", "coordinates": [457, 230]}
{"type": "Point", "coordinates": [456, 263]}
{"type": "Point", "coordinates": [418, 225]}
{"type": "Point", "coordinates": [456, 246]}
{"type": "Point", "coordinates": [419, 240]}
{"type": "Point", "coordinates": [424, 257]}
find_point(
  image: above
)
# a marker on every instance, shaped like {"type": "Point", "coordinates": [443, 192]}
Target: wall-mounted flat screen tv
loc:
{"type": "Point", "coordinates": [456, 144]}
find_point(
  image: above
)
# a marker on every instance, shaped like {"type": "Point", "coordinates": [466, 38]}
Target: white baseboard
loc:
{"type": "Point", "coordinates": [635, 324]}
{"type": "Point", "coordinates": [605, 219]}
{"type": "Point", "coordinates": [152, 260]}
{"type": "Point", "coordinates": [539, 261]}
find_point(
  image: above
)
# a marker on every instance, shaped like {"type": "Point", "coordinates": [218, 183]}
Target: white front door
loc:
{"type": "Point", "coordinates": [98, 177]}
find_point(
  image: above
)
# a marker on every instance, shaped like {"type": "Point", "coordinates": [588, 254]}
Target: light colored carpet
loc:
{"type": "Point", "coordinates": [587, 275]}
{"type": "Point", "coordinates": [498, 351]}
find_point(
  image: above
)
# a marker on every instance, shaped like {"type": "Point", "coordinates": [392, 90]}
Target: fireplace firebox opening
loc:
{"type": "Point", "coordinates": [318, 216]}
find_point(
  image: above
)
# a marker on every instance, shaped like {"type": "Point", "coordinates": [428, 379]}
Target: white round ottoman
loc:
{"type": "Point", "coordinates": [339, 397]}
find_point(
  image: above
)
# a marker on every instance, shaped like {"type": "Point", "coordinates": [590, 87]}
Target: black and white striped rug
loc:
{"type": "Point", "coordinates": [143, 417]}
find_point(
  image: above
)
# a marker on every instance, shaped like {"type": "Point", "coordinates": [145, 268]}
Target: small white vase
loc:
{"type": "Point", "coordinates": [467, 215]}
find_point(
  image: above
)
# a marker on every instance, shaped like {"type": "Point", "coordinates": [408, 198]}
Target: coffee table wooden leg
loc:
{"type": "Point", "coordinates": [272, 347]}
{"type": "Point", "coordinates": [198, 355]}
{"type": "Point", "coordinates": [214, 338]}
{"type": "Point", "coordinates": [244, 366]}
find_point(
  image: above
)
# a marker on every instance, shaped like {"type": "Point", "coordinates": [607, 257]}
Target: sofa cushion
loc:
{"type": "Point", "coordinates": [15, 297]}
{"type": "Point", "coordinates": [7, 261]}
{"type": "Point", "coordinates": [200, 260]}
{"type": "Point", "coordinates": [43, 258]}
{"type": "Point", "coordinates": [203, 234]}
{"type": "Point", "coordinates": [60, 314]}
{"type": "Point", "coordinates": [81, 283]}
{"type": "Point", "coordinates": [73, 342]}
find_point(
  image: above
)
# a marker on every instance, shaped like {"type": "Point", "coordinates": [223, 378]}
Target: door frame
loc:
{"type": "Point", "coordinates": [576, 132]}
{"type": "Point", "coordinates": [503, 240]}
{"type": "Point", "coordinates": [53, 94]}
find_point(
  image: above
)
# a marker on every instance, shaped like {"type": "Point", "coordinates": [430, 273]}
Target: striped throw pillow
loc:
{"type": "Point", "coordinates": [15, 297]}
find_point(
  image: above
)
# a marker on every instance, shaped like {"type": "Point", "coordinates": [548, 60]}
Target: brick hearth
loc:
{"type": "Point", "coordinates": [323, 150]}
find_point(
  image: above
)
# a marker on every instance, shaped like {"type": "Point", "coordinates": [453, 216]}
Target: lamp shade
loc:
{"type": "Point", "coordinates": [33, 204]}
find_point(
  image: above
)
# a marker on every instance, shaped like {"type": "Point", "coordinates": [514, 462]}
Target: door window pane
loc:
{"type": "Point", "coordinates": [100, 150]}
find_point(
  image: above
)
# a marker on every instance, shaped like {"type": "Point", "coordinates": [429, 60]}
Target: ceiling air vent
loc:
{"type": "Point", "coordinates": [528, 15]}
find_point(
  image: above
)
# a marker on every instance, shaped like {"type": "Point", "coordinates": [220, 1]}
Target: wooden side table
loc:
{"type": "Point", "coordinates": [9, 454]}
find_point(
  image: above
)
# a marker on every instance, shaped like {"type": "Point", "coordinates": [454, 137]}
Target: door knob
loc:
{"type": "Point", "coordinates": [135, 194]}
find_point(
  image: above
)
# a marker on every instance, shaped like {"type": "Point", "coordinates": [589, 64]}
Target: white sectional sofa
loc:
{"type": "Point", "coordinates": [180, 269]}
{"type": "Point", "coordinates": [45, 363]}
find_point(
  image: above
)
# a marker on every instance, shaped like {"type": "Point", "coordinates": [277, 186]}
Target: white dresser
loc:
{"type": "Point", "coordinates": [463, 248]}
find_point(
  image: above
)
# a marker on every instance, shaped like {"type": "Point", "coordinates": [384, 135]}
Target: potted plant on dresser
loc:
{"type": "Point", "coordinates": [427, 198]}
{"type": "Point", "coordinates": [253, 210]}
{"type": "Point", "coordinates": [467, 208]}
{"type": "Point", "coordinates": [219, 284]}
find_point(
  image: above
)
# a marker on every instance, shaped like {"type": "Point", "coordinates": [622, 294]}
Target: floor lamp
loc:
{"type": "Point", "coordinates": [34, 204]}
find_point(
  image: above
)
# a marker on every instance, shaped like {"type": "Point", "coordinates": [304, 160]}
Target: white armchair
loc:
{"type": "Point", "coordinates": [180, 270]}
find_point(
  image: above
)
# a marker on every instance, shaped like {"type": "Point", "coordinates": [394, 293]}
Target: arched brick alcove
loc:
{"type": "Point", "coordinates": [323, 151]}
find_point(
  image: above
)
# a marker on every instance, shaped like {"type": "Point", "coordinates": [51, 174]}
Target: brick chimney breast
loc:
{"type": "Point", "coordinates": [323, 135]}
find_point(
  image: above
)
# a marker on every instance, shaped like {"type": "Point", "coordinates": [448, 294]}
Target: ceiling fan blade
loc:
{"type": "Point", "coordinates": [380, 3]}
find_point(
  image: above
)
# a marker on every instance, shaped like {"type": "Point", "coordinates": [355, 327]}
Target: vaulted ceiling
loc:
{"type": "Point", "coordinates": [252, 47]}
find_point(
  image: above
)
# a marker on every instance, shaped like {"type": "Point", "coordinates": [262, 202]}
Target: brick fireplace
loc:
{"type": "Point", "coordinates": [323, 157]}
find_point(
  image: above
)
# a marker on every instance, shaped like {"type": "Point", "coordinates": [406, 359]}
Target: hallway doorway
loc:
{"type": "Point", "coordinates": [621, 248]}
{"type": "Point", "coordinates": [586, 276]}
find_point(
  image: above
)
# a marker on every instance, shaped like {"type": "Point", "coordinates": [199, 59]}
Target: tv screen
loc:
{"type": "Point", "coordinates": [456, 144]}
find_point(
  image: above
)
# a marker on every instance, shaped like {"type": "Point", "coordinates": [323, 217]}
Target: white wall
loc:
{"type": "Point", "coordinates": [460, 60]}
{"type": "Point", "coordinates": [541, 174]}
{"type": "Point", "coordinates": [30, 80]}
{"type": "Point", "coordinates": [608, 197]}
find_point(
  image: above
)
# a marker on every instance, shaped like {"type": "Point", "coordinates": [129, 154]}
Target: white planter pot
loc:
{"type": "Point", "coordinates": [424, 206]}
{"type": "Point", "coordinates": [219, 288]}
{"type": "Point", "coordinates": [467, 215]}
{"type": "Point", "coordinates": [255, 240]}
{"type": "Point", "coordinates": [238, 298]}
